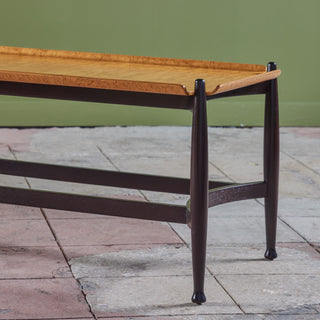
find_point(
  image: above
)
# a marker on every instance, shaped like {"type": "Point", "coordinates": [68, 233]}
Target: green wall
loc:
{"type": "Point", "coordinates": [248, 31]}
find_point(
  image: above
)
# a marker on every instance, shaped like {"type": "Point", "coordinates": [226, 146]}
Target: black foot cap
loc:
{"type": "Point", "coordinates": [271, 254]}
{"type": "Point", "coordinates": [199, 298]}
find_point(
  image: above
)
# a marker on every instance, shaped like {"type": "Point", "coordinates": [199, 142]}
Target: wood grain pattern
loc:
{"type": "Point", "coordinates": [129, 73]}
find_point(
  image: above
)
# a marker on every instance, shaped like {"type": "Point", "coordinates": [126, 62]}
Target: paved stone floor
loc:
{"type": "Point", "coordinates": [65, 265]}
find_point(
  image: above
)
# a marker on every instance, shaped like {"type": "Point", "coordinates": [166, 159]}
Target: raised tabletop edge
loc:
{"type": "Point", "coordinates": [192, 63]}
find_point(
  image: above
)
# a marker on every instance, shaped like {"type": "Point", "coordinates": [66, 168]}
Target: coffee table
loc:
{"type": "Point", "coordinates": [151, 82]}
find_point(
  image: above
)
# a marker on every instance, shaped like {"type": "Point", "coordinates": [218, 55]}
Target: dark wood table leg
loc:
{"type": "Point", "coordinates": [271, 163]}
{"type": "Point", "coordinates": [199, 191]}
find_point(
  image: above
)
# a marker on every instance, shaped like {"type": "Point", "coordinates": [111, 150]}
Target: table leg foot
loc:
{"type": "Point", "coordinates": [270, 254]}
{"type": "Point", "coordinates": [199, 298]}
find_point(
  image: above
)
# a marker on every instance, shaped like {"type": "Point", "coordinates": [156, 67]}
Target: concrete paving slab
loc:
{"type": "Point", "coordinates": [4, 150]}
{"type": "Point", "coordinates": [148, 142]}
{"type": "Point", "coordinates": [311, 162]}
{"type": "Point", "coordinates": [13, 212]}
{"type": "Point", "coordinates": [157, 261]}
{"type": "Point", "coordinates": [308, 227]}
{"type": "Point", "coordinates": [11, 181]}
{"type": "Point", "coordinates": [112, 231]}
{"type": "Point", "coordinates": [86, 189]}
{"type": "Point", "coordinates": [61, 153]}
{"type": "Point", "coordinates": [72, 252]}
{"type": "Point", "coordinates": [176, 165]}
{"type": "Point", "coordinates": [240, 169]}
{"type": "Point", "coordinates": [245, 208]}
{"type": "Point", "coordinates": [42, 299]}
{"type": "Point", "coordinates": [55, 140]}
{"type": "Point", "coordinates": [55, 146]}
{"type": "Point", "coordinates": [19, 139]}
{"type": "Point", "coordinates": [299, 207]}
{"type": "Point", "coordinates": [297, 181]}
{"type": "Point", "coordinates": [170, 198]}
{"type": "Point", "coordinates": [238, 152]}
{"type": "Point", "coordinates": [238, 231]}
{"type": "Point", "coordinates": [300, 141]}
{"type": "Point", "coordinates": [293, 258]}
{"type": "Point", "coordinates": [172, 165]}
{"type": "Point", "coordinates": [16, 233]}
{"type": "Point", "coordinates": [91, 159]}
{"type": "Point", "coordinates": [239, 141]}
{"type": "Point", "coordinates": [284, 294]}
{"type": "Point", "coordinates": [32, 262]}
{"type": "Point", "coordinates": [152, 296]}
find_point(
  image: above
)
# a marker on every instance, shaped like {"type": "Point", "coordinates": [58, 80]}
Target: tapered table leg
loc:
{"type": "Point", "coordinates": [271, 163]}
{"type": "Point", "coordinates": [199, 190]}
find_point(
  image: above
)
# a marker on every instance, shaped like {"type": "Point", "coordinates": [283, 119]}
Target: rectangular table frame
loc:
{"type": "Point", "coordinates": [203, 193]}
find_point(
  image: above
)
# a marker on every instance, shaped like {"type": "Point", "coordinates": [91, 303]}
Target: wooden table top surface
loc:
{"type": "Point", "coordinates": [123, 72]}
